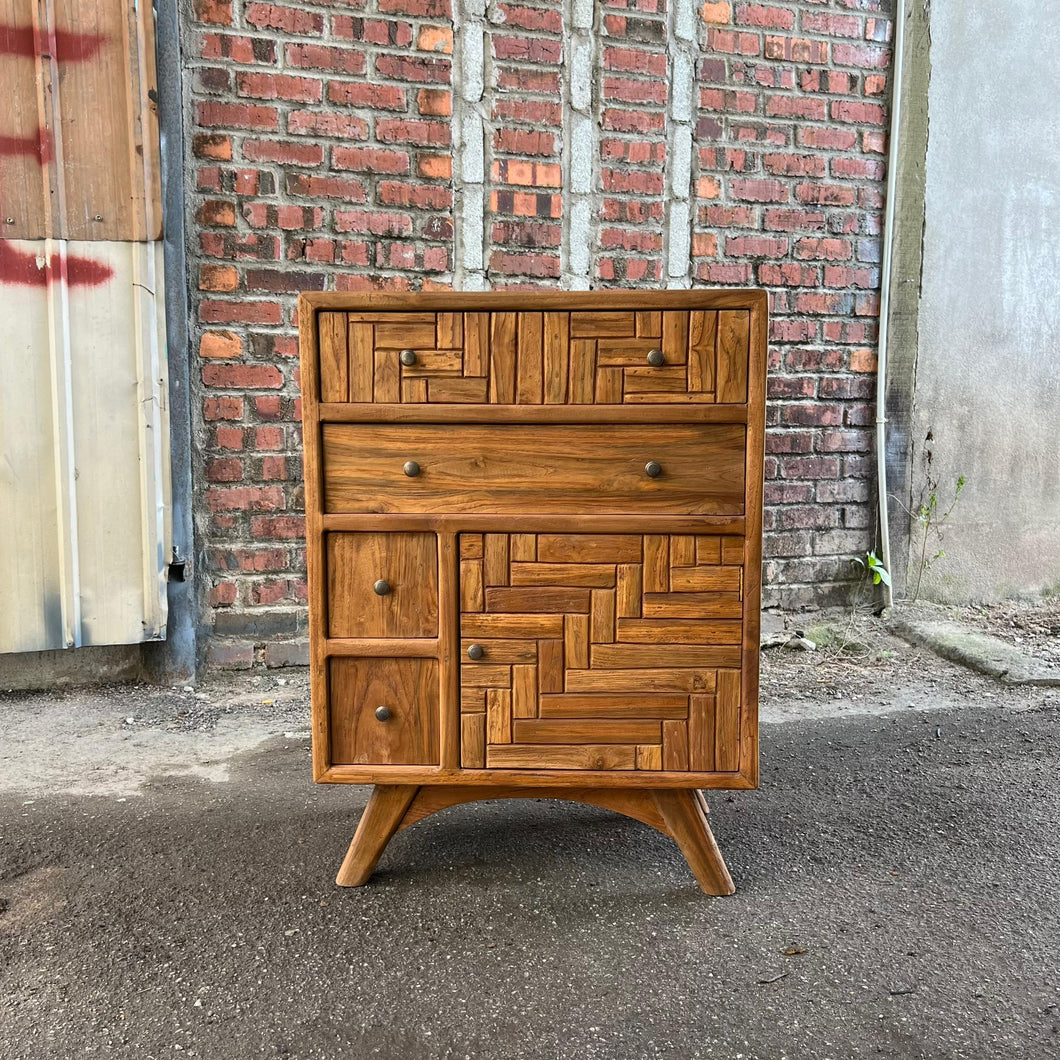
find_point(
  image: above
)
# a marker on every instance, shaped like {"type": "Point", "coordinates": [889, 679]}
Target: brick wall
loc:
{"type": "Point", "coordinates": [403, 144]}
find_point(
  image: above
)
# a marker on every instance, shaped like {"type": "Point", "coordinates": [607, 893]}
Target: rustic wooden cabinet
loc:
{"type": "Point", "coordinates": [534, 547]}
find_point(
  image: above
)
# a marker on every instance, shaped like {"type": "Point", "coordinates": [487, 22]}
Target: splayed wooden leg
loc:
{"type": "Point", "coordinates": [686, 821]}
{"type": "Point", "coordinates": [382, 817]}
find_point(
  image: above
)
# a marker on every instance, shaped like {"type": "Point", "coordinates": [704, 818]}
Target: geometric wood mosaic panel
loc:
{"type": "Point", "coordinates": [601, 651]}
{"type": "Point", "coordinates": [535, 358]}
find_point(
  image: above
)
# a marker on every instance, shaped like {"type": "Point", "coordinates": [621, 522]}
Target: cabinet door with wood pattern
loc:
{"type": "Point", "coordinates": [584, 651]}
{"type": "Point", "coordinates": [598, 357]}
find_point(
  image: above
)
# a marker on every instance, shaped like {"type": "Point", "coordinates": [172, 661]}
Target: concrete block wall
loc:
{"type": "Point", "coordinates": [425, 144]}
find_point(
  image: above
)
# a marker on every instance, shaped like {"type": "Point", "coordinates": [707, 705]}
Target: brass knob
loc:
{"type": "Point", "coordinates": [411, 468]}
{"type": "Point", "coordinates": [656, 358]}
{"type": "Point", "coordinates": [381, 587]}
{"type": "Point", "coordinates": [407, 358]}
{"type": "Point", "coordinates": [475, 651]}
{"type": "Point", "coordinates": [383, 714]}
{"type": "Point", "coordinates": [653, 469]}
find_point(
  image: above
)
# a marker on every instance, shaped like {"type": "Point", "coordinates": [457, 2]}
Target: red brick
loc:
{"type": "Point", "coordinates": [346, 189]}
{"type": "Point", "coordinates": [222, 408]}
{"type": "Point", "coordinates": [759, 190]}
{"type": "Point", "coordinates": [434, 167]}
{"type": "Point", "coordinates": [532, 18]}
{"type": "Point", "coordinates": [228, 437]}
{"type": "Point", "coordinates": [242, 376]}
{"type": "Point", "coordinates": [421, 133]}
{"type": "Point", "coordinates": [526, 49]}
{"type": "Point", "coordinates": [285, 19]}
{"type": "Point", "coordinates": [765, 16]}
{"type": "Point", "coordinates": [413, 68]}
{"type": "Point", "coordinates": [237, 115]}
{"type": "Point", "coordinates": [809, 108]}
{"type": "Point", "coordinates": [716, 11]}
{"type": "Point", "coordinates": [223, 594]}
{"type": "Point", "coordinates": [419, 196]}
{"type": "Point", "coordinates": [214, 12]}
{"type": "Point", "coordinates": [216, 212]}
{"type": "Point", "coordinates": [796, 49]}
{"type": "Point", "coordinates": [212, 145]}
{"type": "Point", "coordinates": [846, 110]}
{"type": "Point", "coordinates": [245, 498]}
{"type": "Point", "coordinates": [370, 160]}
{"type": "Point", "coordinates": [825, 194]}
{"type": "Point", "coordinates": [218, 278]}
{"type": "Point", "coordinates": [425, 8]}
{"type": "Point", "coordinates": [266, 438]}
{"type": "Point", "coordinates": [863, 56]}
{"type": "Point", "coordinates": [831, 25]}
{"type": "Point", "coordinates": [826, 249]}
{"type": "Point", "coordinates": [323, 57]}
{"type": "Point", "coordinates": [225, 469]}
{"type": "Point", "coordinates": [523, 142]}
{"type": "Point", "coordinates": [329, 123]}
{"type": "Point", "coordinates": [626, 90]}
{"type": "Point", "coordinates": [242, 312]}
{"type": "Point", "coordinates": [280, 86]}
{"type": "Point", "coordinates": [634, 61]}
{"type": "Point", "coordinates": [360, 94]}
{"type": "Point", "coordinates": [434, 102]}
{"type": "Point", "coordinates": [380, 224]}
{"type": "Point", "coordinates": [756, 247]}
{"type": "Point", "coordinates": [785, 165]}
{"type": "Point", "coordinates": [277, 527]}
{"type": "Point", "coordinates": [283, 152]}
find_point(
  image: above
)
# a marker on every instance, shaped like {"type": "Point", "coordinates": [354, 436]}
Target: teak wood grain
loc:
{"type": "Point", "coordinates": [408, 563]}
{"type": "Point", "coordinates": [407, 688]}
{"type": "Point", "coordinates": [556, 618]}
{"type": "Point", "coordinates": [549, 468]}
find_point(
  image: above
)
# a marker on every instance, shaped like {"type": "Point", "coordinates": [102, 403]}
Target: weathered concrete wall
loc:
{"type": "Point", "coordinates": [988, 371]}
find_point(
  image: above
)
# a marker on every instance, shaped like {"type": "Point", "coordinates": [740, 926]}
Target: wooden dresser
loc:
{"type": "Point", "coordinates": [534, 546]}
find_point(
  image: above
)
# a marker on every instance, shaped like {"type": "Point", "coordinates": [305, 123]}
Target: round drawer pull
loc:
{"type": "Point", "coordinates": [411, 468]}
{"type": "Point", "coordinates": [407, 358]}
{"type": "Point", "coordinates": [653, 469]}
{"type": "Point", "coordinates": [381, 587]}
{"type": "Point", "coordinates": [383, 714]}
{"type": "Point", "coordinates": [475, 651]}
{"type": "Point", "coordinates": [656, 358]}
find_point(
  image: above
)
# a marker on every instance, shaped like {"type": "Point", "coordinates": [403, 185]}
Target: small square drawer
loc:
{"type": "Point", "coordinates": [382, 585]}
{"type": "Point", "coordinates": [383, 711]}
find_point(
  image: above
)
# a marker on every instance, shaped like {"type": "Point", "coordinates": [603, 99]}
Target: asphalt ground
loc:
{"type": "Point", "coordinates": [898, 896]}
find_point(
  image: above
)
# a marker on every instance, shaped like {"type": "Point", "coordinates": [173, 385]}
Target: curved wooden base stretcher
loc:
{"type": "Point", "coordinates": [680, 814]}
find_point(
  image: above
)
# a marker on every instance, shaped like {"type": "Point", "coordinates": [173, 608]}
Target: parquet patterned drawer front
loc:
{"type": "Point", "coordinates": [532, 358]}
{"type": "Point", "coordinates": [601, 651]}
{"type": "Point", "coordinates": [699, 468]}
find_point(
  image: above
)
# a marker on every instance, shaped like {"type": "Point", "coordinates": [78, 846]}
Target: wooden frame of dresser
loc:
{"type": "Point", "coordinates": [446, 648]}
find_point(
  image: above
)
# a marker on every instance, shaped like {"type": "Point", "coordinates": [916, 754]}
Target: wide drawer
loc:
{"type": "Point", "coordinates": [551, 468]}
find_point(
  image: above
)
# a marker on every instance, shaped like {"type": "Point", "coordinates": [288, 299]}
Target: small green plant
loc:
{"type": "Point", "coordinates": [873, 565]}
{"type": "Point", "coordinates": [932, 520]}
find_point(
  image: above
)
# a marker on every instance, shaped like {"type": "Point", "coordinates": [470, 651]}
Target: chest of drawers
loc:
{"type": "Point", "coordinates": [534, 552]}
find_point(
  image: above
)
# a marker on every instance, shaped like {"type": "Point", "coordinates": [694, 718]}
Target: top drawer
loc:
{"type": "Point", "coordinates": [602, 357]}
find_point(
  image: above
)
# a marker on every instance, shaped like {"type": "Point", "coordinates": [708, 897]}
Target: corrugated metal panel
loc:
{"type": "Point", "coordinates": [84, 461]}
